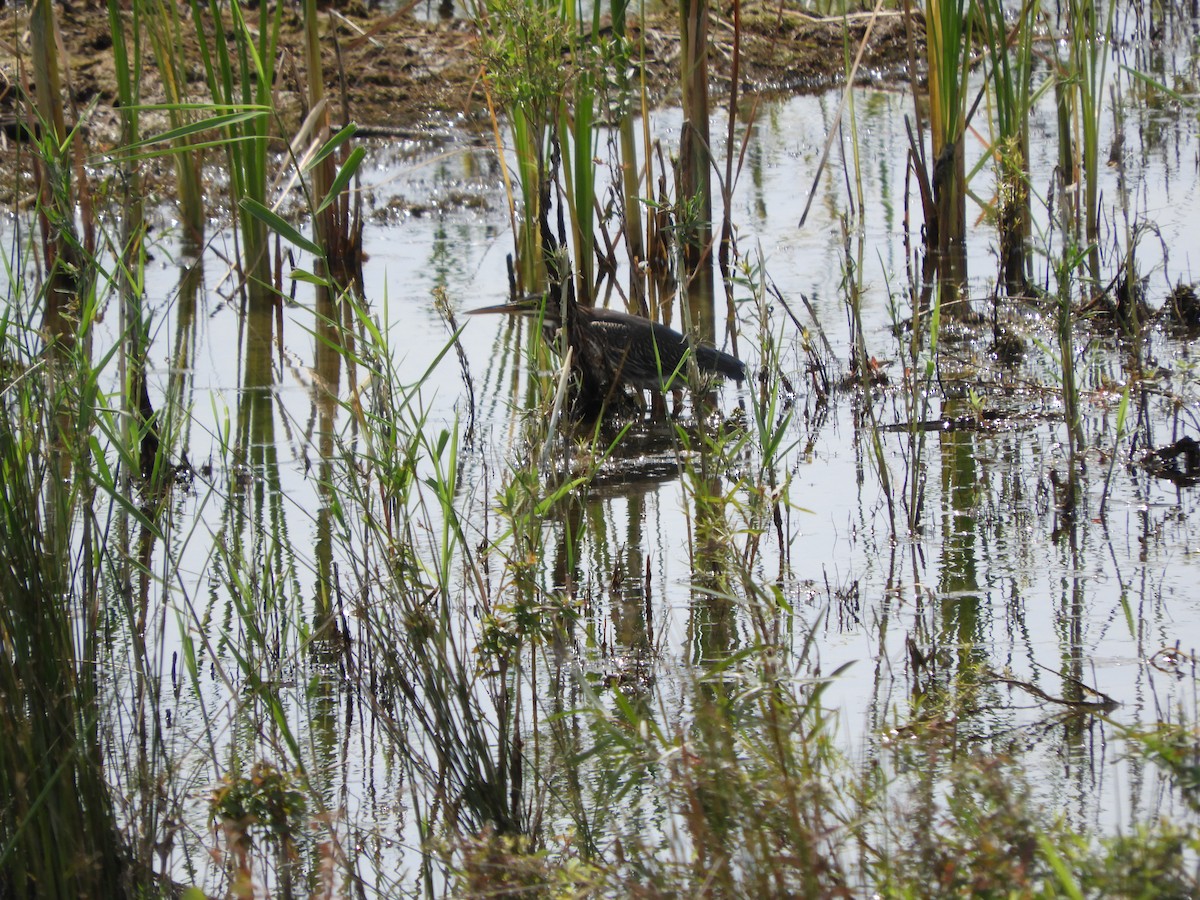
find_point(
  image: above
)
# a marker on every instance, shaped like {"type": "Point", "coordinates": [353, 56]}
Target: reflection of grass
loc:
{"type": "Point", "coordinates": [467, 652]}
{"type": "Point", "coordinates": [1175, 747]}
{"type": "Point", "coordinates": [985, 837]}
{"type": "Point", "coordinates": [59, 835]}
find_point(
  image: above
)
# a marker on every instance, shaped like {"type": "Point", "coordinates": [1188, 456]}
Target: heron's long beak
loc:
{"type": "Point", "coordinates": [527, 306]}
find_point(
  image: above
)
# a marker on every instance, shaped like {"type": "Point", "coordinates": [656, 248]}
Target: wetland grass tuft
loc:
{"type": "Point", "coordinates": [59, 832]}
{"type": "Point", "coordinates": [1011, 82]}
{"type": "Point", "coordinates": [524, 72]}
{"type": "Point", "coordinates": [61, 183]}
{"type": "Point", "coordinates": [240, 76]}
{"type": "Point", "coordinates": [163, 25]}
{"type": "Point", "coordinates": [1081, 78]}
{"type": "Point", "coordinates": [950, 27]}
{"type": "Point", "coordinates": [693, 171]}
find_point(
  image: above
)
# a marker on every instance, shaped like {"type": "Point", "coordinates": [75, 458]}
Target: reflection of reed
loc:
{"type": "Point", "coordinates": [254, 535]}
{"type": "Point", "coordinates": [615, 565]}
{"type": "Point", "coordinates": [332, 336]}
{"type": "Point", "coordinates": [1071, 640]}
{"type": "Point", "coordinates": [256, 427]}
{"type": "Point", "coordinates": [58, 821]}
{"type": "Point", "coordinates": [958, 580]}
{"type": "Point", "coordinates": [255, 568]}
{"type": "Point", "coordinates": [181, 383]}
{"type": "Point", "coordinates": [328, 362]}
{"type": "Point", "coordinates": [713, 627]}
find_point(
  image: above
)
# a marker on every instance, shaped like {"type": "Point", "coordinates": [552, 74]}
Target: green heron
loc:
{"type": "Point", "coordinates": [614, 349]}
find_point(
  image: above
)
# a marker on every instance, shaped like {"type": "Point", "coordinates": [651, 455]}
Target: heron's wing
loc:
{"type": "Point", "coordinates": [644, 353]}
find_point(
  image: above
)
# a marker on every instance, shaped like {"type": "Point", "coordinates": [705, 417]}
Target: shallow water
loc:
{"type": "Point", "coordinates": [990, 585]}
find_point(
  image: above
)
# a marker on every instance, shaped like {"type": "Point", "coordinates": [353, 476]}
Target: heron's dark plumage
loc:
{"type": "Point", "coordinates": [637, 350]}
{"type": "Point", "coordinates": [616, 348]}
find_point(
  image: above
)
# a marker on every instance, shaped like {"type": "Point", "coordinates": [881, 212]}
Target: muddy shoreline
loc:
{"type": "Point", "coordinates": [395, 74]}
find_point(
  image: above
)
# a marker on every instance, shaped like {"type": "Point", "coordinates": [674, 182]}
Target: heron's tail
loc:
{"type": "Point", "coordinates": [710, 359]}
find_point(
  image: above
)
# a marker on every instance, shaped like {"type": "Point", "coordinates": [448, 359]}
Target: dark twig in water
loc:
{"type": "Point", "coordinates": [1105, 703]}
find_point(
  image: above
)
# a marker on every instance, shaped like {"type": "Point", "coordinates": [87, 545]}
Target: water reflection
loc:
{"type": "Point", "coordinates": [640, 581]}
{"type": "Point", "coordinates": [958, 580]}
{"type": "Point", "coordinates": [326, 389]}
{"type": "Point", "coordinates": [712, 624]}
{"type": "Point", "coordinates": [254, 529]}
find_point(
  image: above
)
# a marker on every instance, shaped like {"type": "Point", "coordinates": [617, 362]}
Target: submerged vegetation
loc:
{"type": "Point", "coordinates": [368, 643]}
